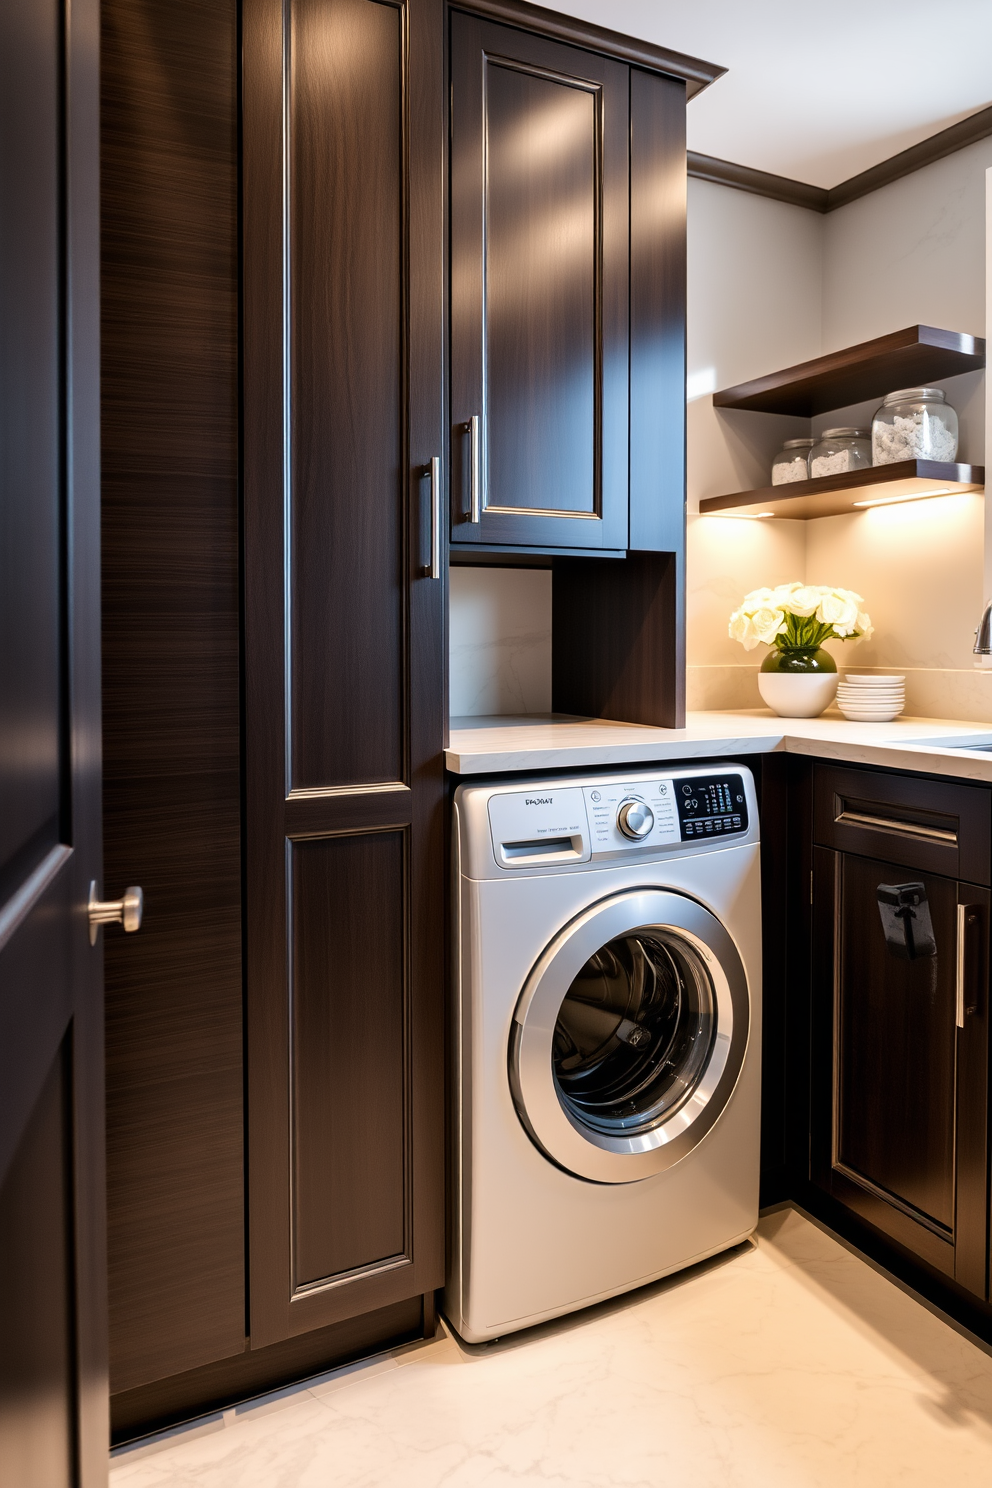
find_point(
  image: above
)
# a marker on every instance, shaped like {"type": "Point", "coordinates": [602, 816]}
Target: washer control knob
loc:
{"type": "Point", "coordinates": [635, 819]}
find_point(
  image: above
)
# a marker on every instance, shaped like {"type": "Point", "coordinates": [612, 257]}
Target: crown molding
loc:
{"type": "Point", "coordinates": [759, 183]}
{"type": "Point", "coordinates": [822, 199]}
{"type": "Point", "coordinates": [695, 73]}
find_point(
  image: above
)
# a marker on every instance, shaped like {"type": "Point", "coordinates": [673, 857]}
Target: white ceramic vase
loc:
{"type": "Point", "coordinates": [798, 694]}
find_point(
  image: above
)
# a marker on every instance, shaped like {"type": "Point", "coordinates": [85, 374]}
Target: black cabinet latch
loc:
{"type": "Point", "coordinates": [906, 920]}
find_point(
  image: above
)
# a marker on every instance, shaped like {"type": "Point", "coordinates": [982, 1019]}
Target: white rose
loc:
{"type": "Point", "coordinates": [837, 610]}
{"type": "Point", "coordinates": [741, 629]}
{"type": "Point", "coordinates": [758, 599]}
{"type": "Point", "coordinates": [864, 626]}
{"type": "Point", "coordinates": [767, 624]}
{"type": "Point", "coordinates": [804, 600]}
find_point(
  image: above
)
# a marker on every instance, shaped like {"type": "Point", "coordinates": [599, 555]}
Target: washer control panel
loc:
{"type": "Point", "coordinates": [711, 806]}
{"type": "Point", "coordinates": [632, 813]}
{"type": "Point", "coordinates": [557, 823]}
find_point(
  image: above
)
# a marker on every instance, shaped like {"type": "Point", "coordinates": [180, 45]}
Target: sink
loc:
{"type": "Point", "coordinates": [980, 742]}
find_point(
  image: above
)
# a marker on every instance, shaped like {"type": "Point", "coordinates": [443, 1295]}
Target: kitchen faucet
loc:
{"type": "Point", "coordinates": [983, 635]}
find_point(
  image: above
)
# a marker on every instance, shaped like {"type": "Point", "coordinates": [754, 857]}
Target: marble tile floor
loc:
{"type": "Point", "coordinates": [788, 1364]}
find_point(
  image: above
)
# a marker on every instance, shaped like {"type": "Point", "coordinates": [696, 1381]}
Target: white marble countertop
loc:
{"type": "Point", "coordinates": [485, 746]}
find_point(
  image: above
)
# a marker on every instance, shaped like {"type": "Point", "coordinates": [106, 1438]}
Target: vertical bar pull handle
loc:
{"type": "Point", "coordinates": [969, 916]}
{"type": "Point", "coordinates": [434, 570]}
{"type": "Point", "coordinates": [959, 977]}
{"type": "Point", "coordinates": [475, 471]}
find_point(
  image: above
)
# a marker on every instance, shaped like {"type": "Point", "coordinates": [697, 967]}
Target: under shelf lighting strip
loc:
{"type": "Point", "coordinates": [913, 496]}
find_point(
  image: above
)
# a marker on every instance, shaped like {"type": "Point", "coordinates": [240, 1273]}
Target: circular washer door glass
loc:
{"type": "Point", "coordinates": [634, 1033]}
{"type": "Point", "coordinates": [629, 1036]}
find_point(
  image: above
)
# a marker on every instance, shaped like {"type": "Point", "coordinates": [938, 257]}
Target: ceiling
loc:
{"type": "Point", "coordinates": [818, 92]}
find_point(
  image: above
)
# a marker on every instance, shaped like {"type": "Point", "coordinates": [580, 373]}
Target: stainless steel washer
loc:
{"type": "Point", "coordinates": [607, 1050]}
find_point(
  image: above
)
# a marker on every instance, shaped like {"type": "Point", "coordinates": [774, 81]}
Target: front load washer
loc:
{"type": "Point", "coordinates": [607, 1043]}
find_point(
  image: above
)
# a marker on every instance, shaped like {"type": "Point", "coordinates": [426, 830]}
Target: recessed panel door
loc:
{"type": "Point", "coordinates": [343, 106]}
{"type": "Point", "coordinates": [539, 291]}
{"type": "Point", "coordinates": [53, 1368]}
{"type": "Point", "coordinates": [900, 1056]}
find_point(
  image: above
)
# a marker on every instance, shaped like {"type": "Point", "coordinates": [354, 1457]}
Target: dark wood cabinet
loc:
{"type": "Point", "coordinates": [567, 311]}
{"type": "Point", "coordinates": [277, 440]}
{"type": "Point", "coordinates": [899, 1093]}
{"type": "Point", "coordinates": [343, 328]}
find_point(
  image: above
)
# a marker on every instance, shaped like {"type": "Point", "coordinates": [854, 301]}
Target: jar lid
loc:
{"type": "Point", "coordinates": [799, 444]}
{"type": "Point", "coordinates": [846, 434]}
{"type": "Point", "coordinates": [915, 395]}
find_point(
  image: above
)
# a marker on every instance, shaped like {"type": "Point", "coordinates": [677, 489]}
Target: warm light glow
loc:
{"type": "Point", "coordinates": [914, 496]}
{"type": "Point", "coordinates": [742, 516]}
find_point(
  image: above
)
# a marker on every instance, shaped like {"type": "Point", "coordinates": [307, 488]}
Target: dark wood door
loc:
{"type": "Point", "coordinates": [539, 302]}
{"type": "Point", "coordinates": [343, 142]}
{"type": "Point", "coordinates": [53, 1384]}
{"type": "Point", "coordinates": [900, 1044]}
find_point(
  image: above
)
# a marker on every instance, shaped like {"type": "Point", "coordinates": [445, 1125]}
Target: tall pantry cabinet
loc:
{"type": "Point", "coordinates": [343, 433]}
{"type": "Point", "coordinates": [281, 423]}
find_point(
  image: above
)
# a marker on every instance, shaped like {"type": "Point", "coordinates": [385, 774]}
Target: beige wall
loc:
{"type": "Point", "coordinates": [911, 252]}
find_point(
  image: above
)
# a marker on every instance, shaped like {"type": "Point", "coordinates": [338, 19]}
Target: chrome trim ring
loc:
{"type": "Point", "coordinates": [559, 1133]}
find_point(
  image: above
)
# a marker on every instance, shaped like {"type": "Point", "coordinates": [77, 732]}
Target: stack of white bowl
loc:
{"type": "Point", "coordinates": [871, 699]}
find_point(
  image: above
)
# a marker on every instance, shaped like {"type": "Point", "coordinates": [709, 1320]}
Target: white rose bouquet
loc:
{"type": "Point", "coordinates": [799, 618]}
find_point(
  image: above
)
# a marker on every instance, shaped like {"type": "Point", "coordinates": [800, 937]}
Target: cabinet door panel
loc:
{"type": "Point", "coordinates": [346, 228]}
{"type": "Point", "coordinates": [899, 1077]}
{"type": "Point", "coordinates": [539, 289]}
{"type": "Point", "coordinates": [349, 1015]}
{"type": "Point", "coordinates": [344, 657]}
{"type": "Point", "coordinates": [896, 1045]}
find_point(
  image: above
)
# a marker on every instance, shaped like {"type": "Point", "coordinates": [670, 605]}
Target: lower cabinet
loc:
{"type": "Point", "coordinates": [900, 1031]}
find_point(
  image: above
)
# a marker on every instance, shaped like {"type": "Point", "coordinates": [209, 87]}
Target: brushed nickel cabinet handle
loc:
{"type": "Point", "coordinates": [475, 473]}
{"type": "Point", "coordinates": [968, 915]}
{"type": "Point", "coordinates": [126, 911]}
{"type": "Point", "coordinates": [435, 563]}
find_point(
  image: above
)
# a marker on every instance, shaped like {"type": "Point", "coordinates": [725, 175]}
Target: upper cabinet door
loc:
{"type": "Point", "coordinates": [539, 291]}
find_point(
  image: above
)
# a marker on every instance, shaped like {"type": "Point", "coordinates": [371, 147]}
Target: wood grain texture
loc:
{"type": "Point", "coordinates": [617, 639]}
{"type": "Point", "coordinates": [349, 1023]}
{"type": "Point", "coordinates": [830, 495]}
{"type": "Point", "coordinates": [53, 1342]}
{"type": "Point", "coordinates": [898, 1111]}
{"type": "Point", "coordinates": [963, 811]}
{"type": "Point", "coordinates": [393, 723]}
{"type": "Point", "coordinates": [657, 316]}
{"type": "Point", "coordinates": [37, 1385]}
{"type": "Point", "coordinates": [171, 684]}
{"type": "Point", "coordinates": [348, 391]}
{"type": "Point", "coordinates": [907, 358]}
{"type": "Point", "coordinates": [539, 289]}
{"type": "Point", "coordinates": [254, 1372]}
{"type": "Point", "coordinates": [896, 1046]}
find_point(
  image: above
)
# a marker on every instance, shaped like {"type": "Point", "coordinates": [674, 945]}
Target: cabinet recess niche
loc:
{"type": "Point", "coordinates": [567, 298]}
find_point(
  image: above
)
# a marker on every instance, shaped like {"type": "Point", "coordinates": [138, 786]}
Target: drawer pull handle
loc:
{"type": "Point", "coordinates": [892, 824]}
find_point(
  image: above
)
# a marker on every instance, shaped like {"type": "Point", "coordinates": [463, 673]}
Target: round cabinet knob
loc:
{"type": "Point", "coordinates": [635, 819]}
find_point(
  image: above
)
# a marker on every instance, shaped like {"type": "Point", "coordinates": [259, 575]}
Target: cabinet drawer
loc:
{"type": "Point", "coordinates": [928, 825]}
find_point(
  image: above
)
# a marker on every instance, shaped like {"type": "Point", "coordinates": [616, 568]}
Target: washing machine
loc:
{"type": "Point", "coordinates": [607, 1042]}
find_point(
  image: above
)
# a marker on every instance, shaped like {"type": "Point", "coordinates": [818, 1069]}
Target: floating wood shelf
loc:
{"type": "Point", "coordinates": [909, 358]}
{"type": "Point", "coordinates": [828, 495]}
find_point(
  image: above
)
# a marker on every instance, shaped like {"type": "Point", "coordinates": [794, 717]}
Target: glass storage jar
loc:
{"type": "Point", "coordinates": [790, 464]}
{"type": "Point", "coordinates": [839, 450]}
{"type": "Point", "coordinates": [914, 424]}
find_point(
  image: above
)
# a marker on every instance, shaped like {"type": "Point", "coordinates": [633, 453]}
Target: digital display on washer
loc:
{"type": "Point", "coordinates": [711, 806]}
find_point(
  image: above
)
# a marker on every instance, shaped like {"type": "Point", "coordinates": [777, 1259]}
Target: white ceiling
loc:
{"type": "Point", "coordinates": [818, 92]}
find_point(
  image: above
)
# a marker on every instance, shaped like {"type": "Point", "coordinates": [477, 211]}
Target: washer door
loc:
{"type": "Point", "coordinates": [629, 1036]}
